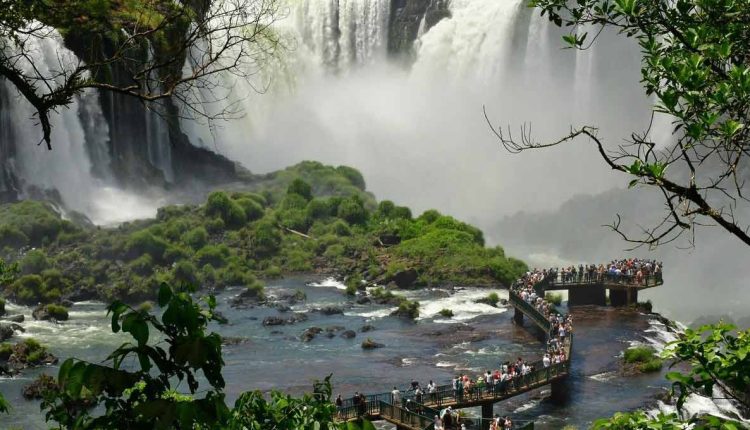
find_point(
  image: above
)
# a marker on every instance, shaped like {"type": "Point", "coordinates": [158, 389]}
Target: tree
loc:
{"type": "Point", "coordinates": [695, 65]}
{"type": "Point", "coordinates": [144, 43]}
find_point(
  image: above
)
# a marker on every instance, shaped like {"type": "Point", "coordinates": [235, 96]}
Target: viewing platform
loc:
{"type": "Point", "coordinates": [593, 289]}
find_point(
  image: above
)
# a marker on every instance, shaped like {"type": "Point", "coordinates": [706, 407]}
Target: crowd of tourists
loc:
{"type": "Point", "coordinates": [636, 270]}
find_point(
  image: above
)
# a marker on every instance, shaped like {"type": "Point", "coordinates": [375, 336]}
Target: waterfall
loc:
{"type": "Point", "coordinates": [76, 170]}
{"type": "Point", "coordinates": [157, 132]}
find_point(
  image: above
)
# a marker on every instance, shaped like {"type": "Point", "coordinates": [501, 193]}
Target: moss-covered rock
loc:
{"type": "Point", "coordinates": [50, 312]}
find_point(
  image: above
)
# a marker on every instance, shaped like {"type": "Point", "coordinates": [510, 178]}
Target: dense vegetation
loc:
{"type": "Point", "coordinates": [643, 358]}
{"type": "Point", "coordinates": [309, 217]}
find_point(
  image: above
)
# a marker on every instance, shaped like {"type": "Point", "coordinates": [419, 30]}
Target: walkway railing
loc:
{"type": "Point", "coordinates": [651, 280]}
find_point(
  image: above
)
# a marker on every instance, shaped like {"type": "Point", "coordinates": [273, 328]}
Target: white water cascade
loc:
{"type": "Point", "coordinates": [418, 132]}
{"type": "Point", "coordinates": [79, 136]}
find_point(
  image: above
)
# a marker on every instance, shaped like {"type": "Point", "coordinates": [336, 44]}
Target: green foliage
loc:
{"type": "Point", "coordinates": [352, 210]}
{"type": "Point", "coordinates": [253, 210]}
{"type": "Point", "coordinates": [58, 312]}
{"type": "Point", "coordinates": [185, 273]}
{"type": "Point", "coordinates": [492, 299]}
{"type": "Point", "coordinates": [638, 420]}
{"type": "Point", "coordinates": [317, 209]}
{"type": "Point", "coordinates": [220, 205]}
{"type": "Point", "coordinates": [719, 356]}
{"type": "Point", "coordinates": [143, 265]}
{"type": "Point", "coordinates": [6, 350]}
{"type": "Point", "coordinates": [639, 354]}
{"type": "Point", "coordinates": [408, 308]}
{"type": "Point", "coordinates": [300, 188]}
{"type": "Point", "coordinates": [214, 255]}
{"type": "Point", "coordinates": [353, 175]}
{"type": "Point", "coordinates": [447, 313]}
{"type": "Point", "coordinates": [35, 261]}
{"type": "Point", "coordinates": [554, 298]}
{"type": "Point", "coordinates": [196, 238]}
{"type": "Point", "coordinates": [30, 223]}
{"type": "Point", "coordinates": [145, 242]}
{"type": "Point", "coordinates": [267, 239]}
{"type": "Point", "coordinates": [30, 290]}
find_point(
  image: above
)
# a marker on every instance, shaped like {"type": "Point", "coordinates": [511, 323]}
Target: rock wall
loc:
{"type": "Point", "coordinates": [406, 18]}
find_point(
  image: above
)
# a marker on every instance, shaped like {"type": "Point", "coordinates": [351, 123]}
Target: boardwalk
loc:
{"type": "Point", "coordinates": [414, 413]}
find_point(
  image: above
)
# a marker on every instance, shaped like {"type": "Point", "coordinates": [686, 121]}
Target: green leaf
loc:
{"type": "Point", "coordinates": [165, 294]}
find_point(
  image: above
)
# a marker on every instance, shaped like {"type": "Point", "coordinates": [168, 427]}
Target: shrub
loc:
{"type": "Point", "coordinates": [143, 265]}
{"type": "Point", "coordinates": [300, 188]}
{"type": "Point", "coordinates": [57, 312]}
{"type": "Point", "coordinates": [234, 275]}
{"type": "Point", "coordinates": [235, 217]}
{"type": "Point", "coordinates": [492, 299]}
{"type": "Point", "coordinates": [447, 313]}
{"type": "Point", "coordinates": [317, 209]}
{"type": "Point", "coordinates": [53, 279]}
{"type": "Point", "coordinates": [653, 365]}
{"type": "Point", "coordinates": [217, 204]}
{"type": "Point", "coordinates": [407, 308]}
{"type": "Point", "coordinates": [351, 289]}
{"type": "Point", "coordinates": [340, 228]}
{"type": "Point", "coordinates": [554, 298]}
{"type": "Point", "coordinates": [298, 260]}
{"type": "Point", "coordinates": [196, 238]}
{"type": "Point", "coordinates": [12, 237]}
{"type": "Point", "coordinates": [184, 272]}
{"type": "Point", "coordinates": [253, 209]}
{"type": "Point", "coordinates": [267, 239]}
{"type": "Point", "coordinates": [215, 255]}
{"type": "Point", "coordinates": [334, 251]}
{"type": "Point", "coordinates": [175, 253]}
{"type": "Point", "coordinates": [429, 216]}
{"type": "Point", "coordinates": [294, 219]}
{"type": "Point", "coordinates": [352, 175]}
{"type": "Point", "coordinates": [639, 354]}
{"type": "Point", "coordinates": [215, 225]}
{"type": "Point", "coordinates": [385, 209]}
{"type": "Point", "coordinates": [272, 272]}
{"type": "Point", "coordinates": [353, 211]}
{"type": "Point", "coordinates": [144, 242]}
{"type": "Point", "coordinates": [35, 261]}
{"type": "Point", "coordinates": [293, 201]}
{"type": "Point", "coordinates": [28, 289]}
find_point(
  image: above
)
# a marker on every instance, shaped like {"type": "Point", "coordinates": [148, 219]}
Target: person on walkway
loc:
{"type": "Point", "coordinates": [438, 423]}
{"type": "Point", "coordinates": [432, 391]}
{"type": "Point", "coordinates": [396, 397]}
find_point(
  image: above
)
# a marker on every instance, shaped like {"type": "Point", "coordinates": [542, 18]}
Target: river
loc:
{"type": "Point", "coordinates": [477, 338]}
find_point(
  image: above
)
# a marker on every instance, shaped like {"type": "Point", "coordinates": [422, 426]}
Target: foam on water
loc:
{"type": "Point", "coordinates": [462, 303]}
{"type": "Point", "coordinates": [372, 314]}
{"type": "Point", "coordinates": [329, 283]}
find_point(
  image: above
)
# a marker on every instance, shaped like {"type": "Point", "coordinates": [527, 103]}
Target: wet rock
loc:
{"type": "Point", "coordinates": [50, 313]}
{"type": "Point", "coordinates": [504, 302]}
{"type": "Point", "coordinates": [367, 327]}
{"type": "Point", "coordinates": [42, 385]}
{"type": "Point", "coordinates": [7, 330]}
{"type": "Point", "coordinates": [331, 331]}
{"type": "Point", "coordinates": [405, 278]}
{"type": "Point", "coordinates": [277, 332]}
{"type": "Point", "coordinates": [291, 297]}
{"type": "Point", "coordinates": [13, 318]}
{"type": "Point", "coordinates": [310, 334]}
{"type": "Point", "coordinates": [364, 300]}
{"type": "Point", "coordinates": [330, 310]}
{"type": "Point", "coordinates": [230, 340]}
{"type": "Point", "coordinates": [281, 307]}
{"type": "Point", "coordinates": [272, 321]}
{"type": "Point", "coordinates": [349, 334]}
{"type": "Point", "coordinates": [371, 344]}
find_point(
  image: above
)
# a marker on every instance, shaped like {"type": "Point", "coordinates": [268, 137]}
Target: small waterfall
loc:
{"type": "Point", "coordinates": [157, 131]}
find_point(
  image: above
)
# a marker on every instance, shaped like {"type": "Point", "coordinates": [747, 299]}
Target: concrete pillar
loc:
{"type": "Point", "coordinates": [518, 316]}
{"type": "Point", "coordinates": [594, 294]}
{"type": "Point", "coordinates": [560, 391]}
{"type": "Point", "coordinates": [487, 413]}
{"type": "Point", "coordinates": [618, 297]}
{"type": "Point", "coordinates": [632, 296]}
{"type": "Point", "coordinates": [402, 428]}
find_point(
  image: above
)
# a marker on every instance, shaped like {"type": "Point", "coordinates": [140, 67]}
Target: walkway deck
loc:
{"type": "Point", "coordinates": [418, 414]}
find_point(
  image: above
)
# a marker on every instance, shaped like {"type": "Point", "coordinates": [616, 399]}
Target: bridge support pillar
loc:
{"type": "Point", "coordinates": [560, 391]}
{"type": "Point", "coordinates": [402, 428]}
{"type": "Point", "coordinates": [518, 316]}
{"type": "Point", "coordinates": [626, 297]}
{"type": "Point", "coordinates": [487, 410]}
{"type": "Point", "coordinates": [594, 294]}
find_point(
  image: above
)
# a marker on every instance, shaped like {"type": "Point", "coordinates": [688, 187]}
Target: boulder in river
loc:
{"type": "Point", "coordinates": [13, 318]}
{"type": "Point", "coordinates": [310, 334]}
{"type": "Point", "coordinates": [405, 278]}
{"type": "Point", "coordinates": [349, 334]}
{"type": "Point", "coordinates": [271, 321]}
{"type": "Point", "coordinates": [371, 344]}
{"type": "Point", "coordinates": [367, 327]}
{"type": "Point", "coordinates": [7, 331]}
{"type": "Point", "coordinates": [50, 312]}
{"type": "Point", "coordinates": [331, 310]}
{"type": "Point", "coordinates": [364, 300]}
{"type": "Point", "coordinates": [39, 387]}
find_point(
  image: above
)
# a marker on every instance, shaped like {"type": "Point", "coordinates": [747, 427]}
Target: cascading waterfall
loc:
{"type": "Point", "coordinates": [76, 170]}
{"type": "Point", "coordinates": [157, 133]}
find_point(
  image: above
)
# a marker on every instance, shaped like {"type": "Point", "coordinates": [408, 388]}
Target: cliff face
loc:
{"type": "Point", "coordinates": [8, 181]}
{"type": "Point", "coordinates": [406, 17]}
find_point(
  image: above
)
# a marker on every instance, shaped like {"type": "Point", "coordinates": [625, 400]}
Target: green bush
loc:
{"type": "Point", "coordinates": [334, 251]}
{"type": "Point", "coordinates": [35, 261]}
{"type": "Point", "coordinates": [639, 354]}
{"type": "Point", "coordinates": [28, 289]}
{"type": "Point", "coordinates": [294, 219]}
{"type": "Point", "coordinates": [215, 225]}
{"type": "Point", "coordinates": [143, 265]}
{"type": "Point", "coordinates": [429, 216]}
{"type": "Point", "coordinates": [144, 242]}
{"type": "Point", "coordinates": [300, 188]}
{"type": "Point", "coordinates": [653, 365]}
{"type": "Point", "coordinates": [340, 228]}
{"type": "Point", "coordinates": [317, 209]}
{"type": "Point", "coordinates": [175, 253]}
{"type": "Point", "coordinates": [37, 221]}
{"type": "Point", "coordinates": [408, 308]}
{"type": "Point", "coordinates": [54, 279]}
{"type": "Point", "coordinates": [253, 210]}
{"type": "Point", "coordinates": [353, 211]}
{"type": "Point", "coordinates": [57, 312]}
{"type": "Point", "coordinates": [217, 204]}
{"type": "Point", "coordinates": [234, 275]}
{"type": "Point", "coordinates": [298, 260]}
{"type": "Point", "coordinates": [447, 313]}
{"type": "Point", "coordinates": [12, 237]}
{"type": "Point", "coordinates": [272, 271]}
{"type": "Point", "coordinates": [185, 272]}
{"type": "Point", "coordinates": [554, 298]}
{"type": "Point", "coordinates": [196, 238]}
{"type": "Point", "coordinates": [267, 239]}
{"type": "Point", "coordinates": [353, 175]}
{"type": "Point", "coordinates": [215, 255]}
{"type": "Point", "coordinates": [351, 290]}
{"type": "Point", "coordinates": [492, 299]}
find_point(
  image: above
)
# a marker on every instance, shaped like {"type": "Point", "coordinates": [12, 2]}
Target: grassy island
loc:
{"type": "Point", "coordinates": [306, 218]}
